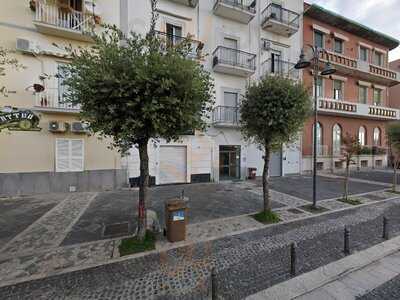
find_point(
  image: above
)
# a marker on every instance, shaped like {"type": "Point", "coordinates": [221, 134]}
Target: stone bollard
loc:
{"type": "Point", "coordinates": [385, 233]}
{"type": "Point", "coordinates": [293, 258]}
{"type": "Point", "coordinates": [346, 241]}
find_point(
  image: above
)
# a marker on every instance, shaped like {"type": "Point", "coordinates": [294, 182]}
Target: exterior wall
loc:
{"type": "Point", "coordinates": [33, 152]}
{"type": "Point", "coordinates": [204, 25]}
{"type": "Point", "coordinates": [350, 83]}
{"type": "Point", "coordinates": [394, 92]}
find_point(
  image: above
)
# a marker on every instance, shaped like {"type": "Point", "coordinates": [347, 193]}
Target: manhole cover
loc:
{"type": "Point", "coordinates": [373, 197]}
{"type": "Point", "coordinates": [115, 230]}
{"type": "Point", "coordinates": [294, 211]}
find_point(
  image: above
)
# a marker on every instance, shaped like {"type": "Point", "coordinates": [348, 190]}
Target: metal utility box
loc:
{"type": "Point", "coordinates": [176, 219]}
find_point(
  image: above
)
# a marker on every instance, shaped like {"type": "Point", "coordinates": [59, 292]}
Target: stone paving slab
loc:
{"type": "Point", "coordinates": [51, 228]}
{"type": "Point", "coordinates": [245, 263]}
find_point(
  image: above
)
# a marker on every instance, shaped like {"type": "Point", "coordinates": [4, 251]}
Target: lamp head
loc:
{"type": "Point", "coordinates": [302, 63]}
{"type": "Point", "coordinates": [328, 69]}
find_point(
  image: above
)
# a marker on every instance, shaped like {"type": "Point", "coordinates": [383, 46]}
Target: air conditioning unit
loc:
{"type": "Point", "coordinates": [79, 127]}
{"type": "Point", "coordinates": [56, 126]}
{"type": "Point", "coordinates": [27, 46]}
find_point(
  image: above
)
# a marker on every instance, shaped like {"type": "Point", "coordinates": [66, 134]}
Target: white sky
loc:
{"type": "Point", "coordinates": [380, 15]}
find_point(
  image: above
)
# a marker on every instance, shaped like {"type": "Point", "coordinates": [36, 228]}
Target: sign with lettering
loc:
{"type": "Point", "coordinates": [17, 119]}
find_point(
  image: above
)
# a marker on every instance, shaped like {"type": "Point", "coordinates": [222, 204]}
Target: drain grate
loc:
{"type": "Point", "coordinates": [116, 230]}
{"type": "Point", "coordinates": [295, 211]}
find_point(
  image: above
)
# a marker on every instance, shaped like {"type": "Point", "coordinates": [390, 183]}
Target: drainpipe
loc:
{"type": "Point", "coordinates": [123, 16]}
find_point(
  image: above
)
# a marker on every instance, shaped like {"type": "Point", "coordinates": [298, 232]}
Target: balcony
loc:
{"type": "Point", "coordinates": [191, 3]}
{"type": "Point", "coordinates": [362, 69]}
{"type": "Point", "coordinates": [234, 62]}
{"type": "Point", "coordinates": [169, 40]}
{"type": "Point", "coordinates": [226, 116]}
{"type": "Point", "coordinates": [335, 107]}
{"type": "Point", "coordinates": [280, 20]}
{"type": "Point", "coordinates": [67, 23]}
{"type": "Point", "coordinates": [237, 10]}
{"type": "Point", "coordinates": [52, 101]}
{"type": "Point", "coordinates": [280, 68]}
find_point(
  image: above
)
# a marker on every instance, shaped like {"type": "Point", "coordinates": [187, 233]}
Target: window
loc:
{"type": "Point", "coordinates": [318, 39]}
{"type": "Point", "coordinates": [319, 140]}
{"type": "Point", "coordinates": [62, 74]}
{"type": "Point", "coordinates": [377, 136]}
{"type": "Point", "coordinates": [377, 97]}
{"type": "Point", "coordinates": [362, 136]}
{"type": "Point", "coordinates": [174, 33]}
{"type": "Point", "coordinates": [378, 58]}
{"type": "Point", "coordinates": [337, 90]}
{"type": "Point", "coordinates": [363, 94]}
{"type": "Point", "coordinates": [336, 139]}
{"type": "Point", "coordinates": [320, 87]}
{"type": "Point", "coordinates": [363, 53]}
{"type": "Point", "coordinates": [230, 110]}
{"type": "Point", "coordinates": [338, 46]}
{"type": "Point", "coordinates": [69, 155]}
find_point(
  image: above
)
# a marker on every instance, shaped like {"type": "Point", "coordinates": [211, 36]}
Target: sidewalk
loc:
{"type": "Point", "coordinates": [348, 278]}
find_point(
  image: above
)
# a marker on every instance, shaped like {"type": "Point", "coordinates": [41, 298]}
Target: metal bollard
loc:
{"type": "Point", "coordinates": [213, 285]}
{"type": "Point", "coordinates": [346, 241]}
{"type": "Point", "coordinates": [293, 259]}
{"type": "Point", "coordinates": [385, 234]}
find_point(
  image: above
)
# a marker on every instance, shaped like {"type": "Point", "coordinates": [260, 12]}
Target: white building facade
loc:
{"type": "Point", "coordinates": [242, 41]}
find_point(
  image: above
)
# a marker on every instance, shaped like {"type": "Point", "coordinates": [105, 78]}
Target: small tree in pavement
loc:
{"type": "Point", "coordinates": [273, 112]}
{"type": "Point", "coordinates": [350, 148]}
{"type": "Point", "coordinates": [393, 136]}
{"type": "Point", "coordinates": [134, 88]}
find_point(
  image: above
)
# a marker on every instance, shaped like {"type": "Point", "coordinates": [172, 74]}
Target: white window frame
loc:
{"type": "Point", "coordinates": [377, 136]}
{"type": "Point", "coordinates": [323, 37]}
{"type": "Point", "coordinates": [368, 53]}
{"type": "Point", "coordinates": [69, 169]}
{"type": "Point", "coordinates": [381, 96]}
{"type": "Point", "coordinates": [341, 88]}
{"type": "Point", "coordinates": [336, 144]}
{"type": "Point", "coordinates": [322, 87]}
{"type": "Point", "coordinates": [359, 94]}
{"type": "Point", "coordinates": [362, 135]}
{"type": "Point", "coordinates": [342, 44]}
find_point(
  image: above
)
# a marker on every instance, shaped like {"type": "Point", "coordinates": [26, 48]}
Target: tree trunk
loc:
{"type": "Point", "coordinates": [267, 202]}
{"type": "Point", "coordinates": [143, 189]}
{"type": "Point", "coordinates": [346, 181]}
{"type": "Point", "coordinates": [394, 176]}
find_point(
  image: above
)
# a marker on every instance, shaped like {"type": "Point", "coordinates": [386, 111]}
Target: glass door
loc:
{"type": "Point", "coordinates": [229, 162]}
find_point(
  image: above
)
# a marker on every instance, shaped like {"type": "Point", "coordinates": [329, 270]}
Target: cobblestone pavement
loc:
{"type": "Point", "coordinates": [388, 291]}
{"type": "Point", "coordinates": [244, 263]}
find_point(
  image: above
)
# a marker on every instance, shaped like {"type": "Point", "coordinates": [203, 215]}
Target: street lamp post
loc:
{"type": "Point", "coordinates": [327, 70]}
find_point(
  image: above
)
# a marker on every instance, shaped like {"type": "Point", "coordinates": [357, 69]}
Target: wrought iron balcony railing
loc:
{"type": "Point", "coordinates": [281, 68]}
{"type": "Point", "coordinates": [196, 47]}
{"type": "Point", "coordinates": [234, 57]}
{"type": "Point", "coordinates": [226, 115]}
{"type": "Point", "coordinates": [246, 5]}
{"type": "Point", "coordinates": [53, 99]}
{"type": "Point", "coordinates": [282, 15]}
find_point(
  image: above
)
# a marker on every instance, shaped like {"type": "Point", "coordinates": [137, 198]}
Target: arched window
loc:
{"type": "Point", "coordinates": [319, 139]}
{"type": "Point", "coordinates": [377, 136]}
{"type": "Point", "coordinates": [362, 136]}
{"type": "Point", "coordinates": [336, 139]}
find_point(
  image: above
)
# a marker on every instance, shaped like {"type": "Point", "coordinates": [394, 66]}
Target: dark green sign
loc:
{"type": "Point", "coordinates": [17, 119]}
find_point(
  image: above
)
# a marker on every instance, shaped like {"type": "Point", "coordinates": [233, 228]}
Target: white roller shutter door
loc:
{"type": "Point", "coordinates": [173, 164]}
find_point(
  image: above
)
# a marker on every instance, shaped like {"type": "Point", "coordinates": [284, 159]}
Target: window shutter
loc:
{"type": "Point", "coordinates": [69, 155]}
{"type": "Point", "coordinates": [76, 163]}
{"type": "Point", "coordinates": [62, 155]}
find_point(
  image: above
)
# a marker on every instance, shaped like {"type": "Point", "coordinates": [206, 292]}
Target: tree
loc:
{"type": "Point", "coordinates": [135, 88]}
{"type": "Point", "coordinates": [273, 112]}
{"type": "Point", "coordinates": [350, 147]}
{"type": "Point", "coordinates": [393, 136]}
{"type": "Point", "coordinates": [7, 61]}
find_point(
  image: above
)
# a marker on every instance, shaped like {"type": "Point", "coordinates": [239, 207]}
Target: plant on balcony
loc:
{"type": "Point", "coordinates": [393, 136]}
{"type": "Point", "coordinates": [273, 112]}
{"type": "Point", "coordinates": [5, 62]}
{"type": "Point", "coordinates": [132, 90]}
{"type": "Point", "coordinates": [350, 148]}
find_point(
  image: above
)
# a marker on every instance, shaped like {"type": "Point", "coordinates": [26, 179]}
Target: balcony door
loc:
{"type": "Point", "coordinates": [231, 113]}
{"type": "Point", "coordinates": [276, 62]}
{"type": "Point", "coordinates": [174, 33]}
{"type": "Point", "coordinates": [231, 56]}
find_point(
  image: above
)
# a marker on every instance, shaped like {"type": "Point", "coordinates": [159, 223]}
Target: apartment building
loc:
{"type": "Point", "coordinates": [355, 99]}
{"type": "Point", "coordinates": [238, 41]}
{"type": "Point", "coordinates": [55, 153]}
{"type": "Point", "coordinates": [394, 91]}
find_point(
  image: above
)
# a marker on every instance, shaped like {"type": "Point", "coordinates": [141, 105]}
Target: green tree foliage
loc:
{"type": "Point", "coordinates": [7, 61]}
{"type": "Point", "coordinates": [393, 136]}
{"type": "Point", "coordinates": [273, 112]}
{"type": "Point", "coordinates": [135, 88]}
{"type": "Point", "coordinates": [350, 147]}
